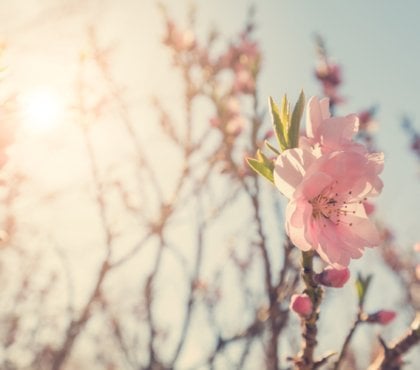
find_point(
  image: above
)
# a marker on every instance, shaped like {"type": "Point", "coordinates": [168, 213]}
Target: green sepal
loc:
{"type": "Point", "coordinates": [294, 128]}
{"type": "Point", "coordinates": [280, 126]}
{"type": "Point", "coordinates": [262, 165]}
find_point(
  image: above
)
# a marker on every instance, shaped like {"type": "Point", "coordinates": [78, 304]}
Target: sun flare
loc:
{"type": "Point", "coordinates": [42, 109]}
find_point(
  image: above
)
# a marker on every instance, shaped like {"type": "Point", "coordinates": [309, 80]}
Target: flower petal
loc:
{"type": "Point", "coordinates": [290, 168]}
{"type": "Point", "coordinates": [337, 132]}
{"type": "Point", "coordinates": [317, 112]}
{"type": "Point", "coordinates": [298, 216]}
{"type": "Point", "coordinates": [314, 184]}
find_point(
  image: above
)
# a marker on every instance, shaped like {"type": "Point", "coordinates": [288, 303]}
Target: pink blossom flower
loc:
{"type": "Point", "coordinates": [244, 82]}
{"type": "Point", "coordinates": [228, 119]}
{"type": "Point", "coordinates": [332, 93]}
{"type": "Point", "coordinates": [329, 74]}
{"type": "Point", "coordinates": [415, 145]}
{"type": "Point", "coordinates": [366, 120]}
{"type": "Point", "coordinates": [382, 317]}
{"type": "Point", "coordinates": [232, 106]}
{"type": "Point", "coordinates": [180, 40]}
{"type": "Point", "coordinates": [335, 278]}
{"type": "Point", "coordinates": [325, 212]}
{"type": "Point", "coordinates": [245, 54]}
{"type": "Point", "coordinates": [215, 121]}
{"type": "Point", "coordinates": [235, 125]}
{"type": "Point", "coordinates": [301, 304]}
{"type": "Point", "coordinates": [249, 52]}
{"type": "Point", "coordinates": [325, 134]}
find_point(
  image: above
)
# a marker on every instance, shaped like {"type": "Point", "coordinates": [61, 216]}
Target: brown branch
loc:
{"type": "Point", "coordinates": [252, 331]}
{"type": "Point", "coordinates": [118, 334]}
{"type": "Point", "coordinates": [149, 297]}
{"type": "Point", "coordinates": [76, 326]}
{"type": "Point", "coordinates": [305, 359]}
{"type": "Point", "coordinates": [272, 350]}
{"type": "Point", "coordinates": [390, 357]}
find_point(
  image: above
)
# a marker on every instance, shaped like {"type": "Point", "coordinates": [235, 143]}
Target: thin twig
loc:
{"type": "Point", "coordinates": [346, 343]}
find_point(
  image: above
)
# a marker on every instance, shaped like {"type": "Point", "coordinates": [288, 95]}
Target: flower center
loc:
{"type": "Point", "coordinates": [325, 206]}
{"type": "Point", "coordinates": [333, 206]}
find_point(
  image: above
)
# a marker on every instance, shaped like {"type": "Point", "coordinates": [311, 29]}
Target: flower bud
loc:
{"type": "Point", "coordinates": [332, 277]}
{"type": "Point", "coordinates": [382, 317]}
{"type": "Point", "coordinates": [301, 304]}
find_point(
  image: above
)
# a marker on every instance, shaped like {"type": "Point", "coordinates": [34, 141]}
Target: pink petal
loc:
{"type": "Point", "coordinates": [330, 247]}
{"type": "Point", "coordinates": [338, 131]}
{"type": "Point", "coordinates": [317, 111]}
{"type": "Point", "coordinates": [298, 216]}
{"type": "Point", "coordinates": [290, 168]}
{"type": "Point", "coordinates": [314, 184]}
{"type": "Point", "coordinates": [361, 232]}
{"type": "Point", "coordinates": [324, 104]}
{"type": "Point", "coordinates": [349, 169]}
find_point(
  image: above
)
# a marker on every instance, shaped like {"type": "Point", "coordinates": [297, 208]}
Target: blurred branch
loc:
{"type": "Point", "coordinates": [390, 356]}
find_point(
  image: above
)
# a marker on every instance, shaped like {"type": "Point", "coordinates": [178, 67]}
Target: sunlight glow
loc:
{"type": "Point", "coordinates": [42, 109]}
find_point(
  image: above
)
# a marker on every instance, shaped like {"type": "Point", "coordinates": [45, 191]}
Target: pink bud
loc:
{"type": "Point", "coordinates": [332, 277]}
{"type": "Point", "coordinates": [416, 247]}
{"type": "Point", "coordinates": [382, 317]}
{"type": "Point", "coordinates": [301, 304]}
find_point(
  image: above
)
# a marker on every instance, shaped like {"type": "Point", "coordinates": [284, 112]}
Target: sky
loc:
{"type": "Point", "coordinates": [376, 42]}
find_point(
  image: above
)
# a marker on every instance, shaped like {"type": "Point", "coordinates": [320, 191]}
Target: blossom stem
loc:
{"type": "Point", "coordinates": [305, 359]}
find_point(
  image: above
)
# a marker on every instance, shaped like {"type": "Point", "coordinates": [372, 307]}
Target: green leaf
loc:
{"type": "Point", "coordinates": [279, 128]}
{"type": "Point", "coordinates": [263, 159]}
{"type": "Point", "coordinates": [262, 168]}
{"type": "Point", "coordinates": [271, 147]}
{"type": "Point", "coordinates": [294, 129]}
{"type": "Point", "coordinates": [285, 114]}
{"type": "Point", "coordinates": [362, 286]}
{"type": "Point", "coordinates": [360, 289]}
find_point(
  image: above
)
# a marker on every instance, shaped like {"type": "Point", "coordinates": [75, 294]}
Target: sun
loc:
{"type": "Point", "coordinates": [42, 108]}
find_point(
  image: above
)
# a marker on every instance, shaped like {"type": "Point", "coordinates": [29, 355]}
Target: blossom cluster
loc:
{"type": "Point", "coordinates": [226, 76]}
{"type": "Point", "coordinates": [329, 75]}
{"type": "Point", "coordinates": [328, 178]}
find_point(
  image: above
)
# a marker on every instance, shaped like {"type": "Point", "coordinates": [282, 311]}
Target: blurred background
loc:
{"type": "Point", "coordinates": [134, 236]}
